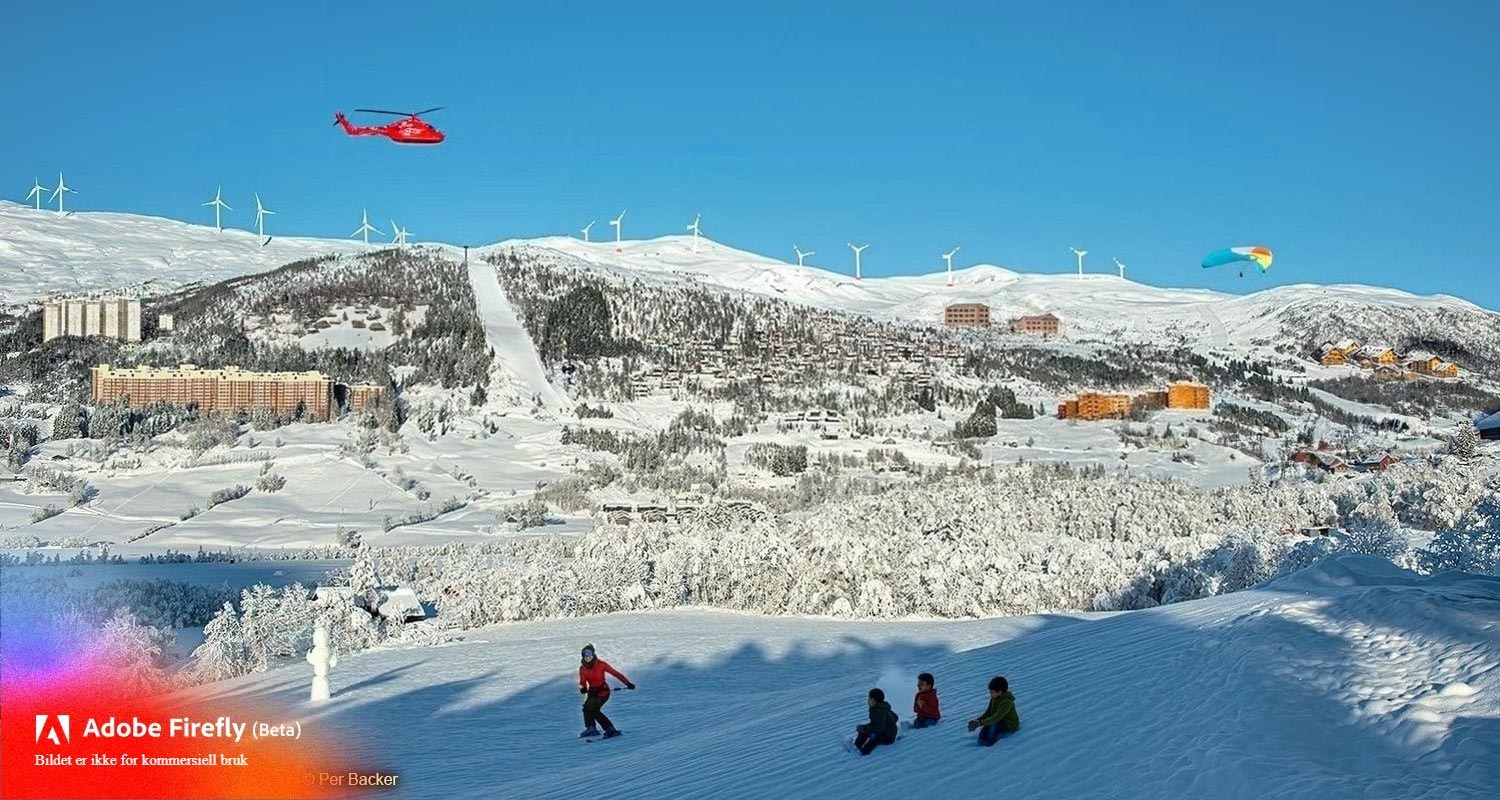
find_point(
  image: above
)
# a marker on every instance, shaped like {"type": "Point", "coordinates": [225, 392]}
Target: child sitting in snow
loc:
{"type": "Point", "coordinates": [999, 717]}
{"type": "Point", "coordinates": [925, 705]}
{"type": "Point", "coordinates": [882, 727]}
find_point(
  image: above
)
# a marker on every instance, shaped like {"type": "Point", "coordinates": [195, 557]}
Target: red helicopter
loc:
{"type": "Point", "coordinates": [405, 131]}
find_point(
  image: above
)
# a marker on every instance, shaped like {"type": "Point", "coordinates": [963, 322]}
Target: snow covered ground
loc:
{"type": "Point", "coordinates": [1351, 679]}
{"type": "Point", "coordinates": [43, 252]}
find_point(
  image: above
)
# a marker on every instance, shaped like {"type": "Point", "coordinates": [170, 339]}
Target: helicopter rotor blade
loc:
{"type": "Point", "coordinates": [378, 111]}
{"type": "Point", "coordinates": [429, 111]}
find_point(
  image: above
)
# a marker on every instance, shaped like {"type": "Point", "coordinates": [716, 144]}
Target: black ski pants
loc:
{"type": "Point", "coordinates": [592, 713]}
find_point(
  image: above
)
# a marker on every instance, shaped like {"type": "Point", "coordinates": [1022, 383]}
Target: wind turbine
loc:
{"type": "Point", "coordinates": [1121, 265]}
{"type": "Point", "coordinates": [36, 192]}
{"type": "Point", "coordinates": [399, 234]}
{"type": "Point", "coordinates": [219, 206]}
{"type": "Point", "coordinates": [694, 228]}
{"type": "Point", "coordinates": [801, 255]}
{"type": "Point", "coordinates": [857, 251]}
{"type": "Point", "coordinates": [366, 229]}
{"type": "Point", "coordinates": [586, 230]}
{"type": "Point", "coordinates": [615, 223]}
{"type": "Point", "coordinates": [62, 189]}
{"type": "Point", "coordinates": [261, 212]}
{"type": "Point", "coordinates": [1080, 254]}
{"type": "Point", "coordinates": [948, 257]}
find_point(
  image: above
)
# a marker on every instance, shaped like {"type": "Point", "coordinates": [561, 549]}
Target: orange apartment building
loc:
{"type": "Point", "coordinates": [1038, 325]}
{"type": "Point", "coordinates": [229, 390]}
{"type": "Point", "coordinates": [967, 315]}
{"type": "Point", "coordinates": [1093, 406]}
{"type": "Point", "coordinates": [363, 396]}
{"type": "Point", "coordinates": [1187, 395]}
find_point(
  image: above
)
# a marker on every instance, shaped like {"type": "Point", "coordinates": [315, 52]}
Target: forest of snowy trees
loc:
{"type": "Point", "coordinates": [1035, 539]}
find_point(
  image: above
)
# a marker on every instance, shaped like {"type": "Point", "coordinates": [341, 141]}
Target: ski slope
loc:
{"type": "Point", "coordinates": [516, 364]}
{"type": "Point", "coordinates": [1353, 679]}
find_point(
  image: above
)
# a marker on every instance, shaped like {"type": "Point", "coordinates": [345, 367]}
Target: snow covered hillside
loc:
{"type": "Point", "coordinates": [1350, 679]}
{"type": "Point", "coordinates": [43, 252]}
{"type": "Point", "coordinates": [1096, 304]}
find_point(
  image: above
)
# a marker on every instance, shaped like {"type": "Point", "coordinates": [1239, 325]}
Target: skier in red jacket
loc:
{"type": "Point", "coordinates": [592, 684]}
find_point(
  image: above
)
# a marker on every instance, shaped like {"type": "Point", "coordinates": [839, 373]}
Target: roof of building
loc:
{"type": "Point", "coordinates": [194, 371]}
{"type": "Point", "coordinates": [1372, 350]}
{"type": "Point", "coordinates": [968, 305]}
{"type": "Point", "coordinates": [1490, 422]}
{"type": "Point", "coordinates": [1049, 316]}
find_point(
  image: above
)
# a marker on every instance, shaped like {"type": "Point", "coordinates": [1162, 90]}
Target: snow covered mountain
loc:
{"type": "Point", "coordinates": [42, 252]}
{"type": "Point", "coordinates": [1351, 679]}
{"type": "Point", "coordinates": [1095, 304]}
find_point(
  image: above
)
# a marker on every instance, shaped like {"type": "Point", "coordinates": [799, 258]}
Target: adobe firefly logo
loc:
{"type": "Point", "coordinates": [53, 728]}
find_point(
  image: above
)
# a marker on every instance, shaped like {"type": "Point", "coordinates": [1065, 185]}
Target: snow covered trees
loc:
{"type": "Point", "coordinates": [1465, 442]}
{"type": "Point", "coordinates": [778, 459]}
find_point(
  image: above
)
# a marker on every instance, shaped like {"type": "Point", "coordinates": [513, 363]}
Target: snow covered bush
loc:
{"type": "Point", "coordinates": [136, 656]}
{"type": "Point", "coordinates": [225, 495]}
{"type": "Point", "coordinates": [44, 513]}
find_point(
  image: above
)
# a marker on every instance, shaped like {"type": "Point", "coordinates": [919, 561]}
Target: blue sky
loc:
{"type": "Point", "coordinates": [1358, 140]}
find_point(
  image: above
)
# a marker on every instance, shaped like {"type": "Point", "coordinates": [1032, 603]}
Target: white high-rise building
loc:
{"type": "Point", "coordinates": [110, 316]}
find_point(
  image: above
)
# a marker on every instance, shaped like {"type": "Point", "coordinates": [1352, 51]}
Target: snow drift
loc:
{"type": "Point", "coordinates": [1350, 679]}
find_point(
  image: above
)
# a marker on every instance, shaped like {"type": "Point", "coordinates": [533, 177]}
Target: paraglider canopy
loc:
{"type": "Point", "coordinates": [1260, 255]}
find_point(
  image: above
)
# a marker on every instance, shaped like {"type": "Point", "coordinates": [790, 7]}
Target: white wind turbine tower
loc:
{"type": "Point", "coordinates": [615, 223]}
{"type": "Point", "coordinates": [801, 255]}
{"type": "Point", "coordinates": [261, 212]}
{"type": "Point", "coordinates": [857, 251]}
{"type": "Point", "coordinates": [586, 229]}
{"type": "Point", "coordinates": [694, 228]}
{"type": "Point", "coordinates": [36, 192]}
{"type": "Point", "coordinates": [399, 234]}
{"type": "Point", "coordinates": [219, 207]}
{"type": "Point", "coordinates": [62, 189]}
{"type": "Point", "coordinates": [948, 257]}
{"type": "Point", "coordinates": [366, 229]}
{"type": "Point", "coordinates": [1080, 254]}
{"type": "Point", "coordinates": [1121, 266]}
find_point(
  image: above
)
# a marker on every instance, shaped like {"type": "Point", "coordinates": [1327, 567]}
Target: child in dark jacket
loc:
{"type": "Point", "coordinates": [999, 717]}
{"type": "Point", "coordinates": [925, 705]}
{"type": "Point", "coordinates": [882, 727]}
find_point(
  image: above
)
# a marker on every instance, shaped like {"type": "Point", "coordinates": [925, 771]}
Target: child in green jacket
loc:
{"type": "Point", "coordinates": [882, 727]}
{"type": "Point", "coordinates": [999, 717]}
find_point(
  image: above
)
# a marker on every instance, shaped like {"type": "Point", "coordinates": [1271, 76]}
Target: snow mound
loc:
{"type": "Point", "coordinates": [1347, 571]}
{"type": "Point", "coordinates": [1349, 680]}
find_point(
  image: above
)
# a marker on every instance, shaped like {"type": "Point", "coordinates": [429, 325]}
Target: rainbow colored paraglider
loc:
{"type": "Point", "coordinates": [1229, 255]}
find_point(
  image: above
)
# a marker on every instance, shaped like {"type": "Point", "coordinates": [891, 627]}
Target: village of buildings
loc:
{"type": "Point", "coordinates": [1384, 362]}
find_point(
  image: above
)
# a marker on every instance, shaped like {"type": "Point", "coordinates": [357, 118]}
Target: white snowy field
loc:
{"type": "Point", "coordinates": [43, 252]}
{"type": "Point", "coordinates": [1351, 679]}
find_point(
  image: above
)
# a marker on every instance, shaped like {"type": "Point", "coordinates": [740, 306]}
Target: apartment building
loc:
{"type": "Point", "coordinates": [108, 316]}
